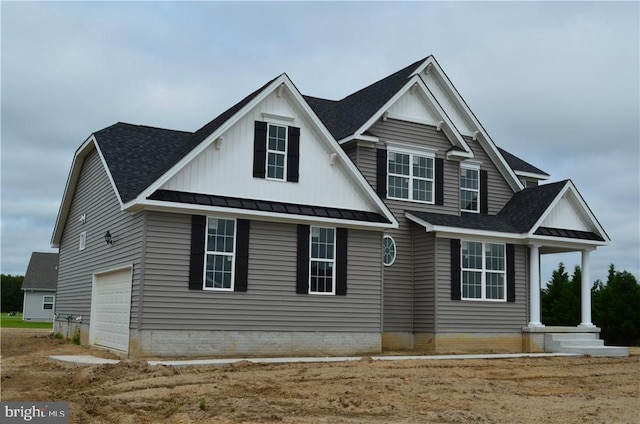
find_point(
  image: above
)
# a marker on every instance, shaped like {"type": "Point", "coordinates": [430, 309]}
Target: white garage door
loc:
{"type": "Point", "coordinates": [111, 303]}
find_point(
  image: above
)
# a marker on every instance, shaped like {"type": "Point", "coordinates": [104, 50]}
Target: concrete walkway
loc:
{"type": "Point", "coordinates": [93, 360]}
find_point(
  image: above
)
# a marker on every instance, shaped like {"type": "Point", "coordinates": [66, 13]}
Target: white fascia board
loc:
{"type": "Point", "coordinates": [459, 231]}
{"type": "Point", "coordinates": [514, 181]}
{"type": "Point", "coordinates": [569, 186]}
{"type": "Point", "coordinates": [449, 128]}
{"type": "Point", "coordinates": [564, 243]}
{"type": "Point", "coordinates": [360, 137]}
{"type": "Point", "coordinates": [161, 206]}
{"type": "Point", "coordinates": [532, 175]}
{"type": "Point", "coordinates": [70, 188]}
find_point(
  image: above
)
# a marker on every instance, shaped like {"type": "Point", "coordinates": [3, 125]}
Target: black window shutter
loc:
{"type": "Point", "coordinates": [242, 255]}
{"type": "Point", "coordinates": [381, 173]}
{"type": "Point", "coordinates": [196, 262]}
{"type": "Point", "coordinates": [511, 273]}
{"type": "Point", "coordinates": [293, 155]}
{"type": "Point", "coordinates": [455, 269]}
{"type": "Point", "coordinates": [259, 149]}
{"type": "Point", "coordinates": [341, 261]}
{"type": "Point", "coordinates": [302, 271]}
{"type": "Point", "coordinates": [484, 190]}
{"type": "Point", "coordinates": [439, 181]}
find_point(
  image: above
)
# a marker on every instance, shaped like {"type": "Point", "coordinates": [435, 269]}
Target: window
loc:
{"type": "Point", "coordinates": [388, 251]}
{"type": "Point", "coordinates": [82, 241]}
{"type": "Point", "coordinates": [276, 152]}
{"type": "Point", "coordinates": [47, 302]}
{"type": "Point", "coordinates": [219, 254]}
{"type": "Point", "coordinates": [483, 270]}
{"type": "Point", "coordinates": [410, 177]}
{"type": "Point", "coordinates": [322, 260]}
{"type": "Point", "coordinates": [469, 189]}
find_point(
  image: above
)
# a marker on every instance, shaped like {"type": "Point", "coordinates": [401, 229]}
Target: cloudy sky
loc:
{"type": "Point", "coordinates": [554, 83]}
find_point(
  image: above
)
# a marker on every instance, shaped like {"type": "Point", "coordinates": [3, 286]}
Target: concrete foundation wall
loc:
{"type": "Point", "coordinates": [453, 342]}
{"type": "Point", "coordinates": [478, 342]}
{"type": "Point", "coordinates": [194, 343]}
{"type": "Point", "coordinates": [397, 340]}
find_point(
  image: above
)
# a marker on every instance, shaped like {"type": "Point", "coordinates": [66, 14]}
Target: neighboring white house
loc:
{"type": "Point", "coordinates": [39, 287]}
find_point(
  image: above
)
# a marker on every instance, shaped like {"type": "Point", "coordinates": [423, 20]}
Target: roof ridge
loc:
{"type": "Point", "coordinates": [148, 127]}
{"type": "Point", "coordinates": [388, 77]}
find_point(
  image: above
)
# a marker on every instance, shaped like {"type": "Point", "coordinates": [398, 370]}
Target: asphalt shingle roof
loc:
{"type": "Point", "coordinates": [138, 155]}
{"type": "Point", "coordinates": [518, 164]}
{"type": "Point", "coordinates": [42, 272]}
{"type": "Point", "coordinates": [526, 207]}
{"type": "Point", "coordinates": [134, 153]}
{"type": "Point", "coordinates": [342, 118]}
{"type": "Point", "coordinates": [519, 215]}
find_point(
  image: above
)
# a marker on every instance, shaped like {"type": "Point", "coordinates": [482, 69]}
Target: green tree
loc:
{"type": "Point", "coordinates": [616, 308]}
{"type": "Point", "coordinates": [11, 293]}
{"type": "Point", "coordinates": [560, 299]}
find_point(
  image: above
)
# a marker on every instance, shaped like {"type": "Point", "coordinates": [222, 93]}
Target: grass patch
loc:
{"type": "Point", "coordinates": [16, 322]}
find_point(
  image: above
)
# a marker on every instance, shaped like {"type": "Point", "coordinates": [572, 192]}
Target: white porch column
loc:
{"type": "Point", "coordinates": [534, 286]}
{"type": "Point", "coordinates": [585, 291]}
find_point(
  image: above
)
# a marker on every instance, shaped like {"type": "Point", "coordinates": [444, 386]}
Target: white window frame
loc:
{"type": "Point", "coordinates": [214, 253]}
{"type": "Point", "coordinates": [484, 271]}
{"type": "Point", "coordinates": [395, 250]}
{"type": "Point", "coordinates": [82, 241]}
{"type": "Point", "coordinates": [277, 152]}
{"type": "Point", "coordinates": [476, 168]}
{"type": "Point", "coordinates": [52, 302]}
{"type": "Point", "coordinates": [324, 260]}
{"type": "Point", "coordinates": [429, 156]}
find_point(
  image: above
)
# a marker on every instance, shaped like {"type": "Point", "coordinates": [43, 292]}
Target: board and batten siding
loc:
{"type": "Point", "coordinates": [271, 302]}
{"type": "Point", "coordinates": [95, 198]}
{"type": "Point", "coordinates": [469, 316]}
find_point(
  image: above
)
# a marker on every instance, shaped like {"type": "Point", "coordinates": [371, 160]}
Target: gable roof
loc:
{"type": "Point", "coordinates": [135, 153]}
{"type": "Point", "coordinates": [520, 165]}
{"type": "Point", "coordinates": [345, 116]}
{"type": "Point", "coordinates": [526, 207]}
{"type": "Point", "coordinates": [42, 272]}
{"type": "Point", "coordinates": [520, 218]}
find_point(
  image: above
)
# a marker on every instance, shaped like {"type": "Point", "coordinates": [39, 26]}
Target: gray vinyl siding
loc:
{"type": "Point", "coordinates": [271, 302]}
{"type": "Point", "coordinates": [498, 189]}
{"type": "Point", "coordinates": [95, 197]}
{"type": "Point", "coordinates": [409, 289]}
{"type": "Point", "coordinates": [424, 303]}
{"type": "Point", "coordinates": [479, 316]}
{"type": "Point", "coordinates": [33, 309]}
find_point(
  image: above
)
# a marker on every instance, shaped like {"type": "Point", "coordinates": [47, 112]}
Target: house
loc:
{"type": "Point", "coordinates": [298, 225]}
{"type": "Point", "coordinates": [39, 287]}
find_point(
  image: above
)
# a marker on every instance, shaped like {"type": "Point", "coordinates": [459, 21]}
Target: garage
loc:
{"type": "Point", "coordinates": [110, 308]}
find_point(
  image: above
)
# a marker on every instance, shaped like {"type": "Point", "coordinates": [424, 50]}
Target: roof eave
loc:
{"type": "Point", "coordinates": [163, 206]}
{"type": "Point", "coordinates": [72, 179]}
{"type": "Point", "coordinates": [533, 175]}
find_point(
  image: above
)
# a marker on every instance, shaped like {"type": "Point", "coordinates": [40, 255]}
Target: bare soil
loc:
{"type": "Point", "coordinates": [526, 390]}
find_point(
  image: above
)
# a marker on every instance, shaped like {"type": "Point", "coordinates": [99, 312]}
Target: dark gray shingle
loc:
{"type": "Point", "coordinates": [42, 272]}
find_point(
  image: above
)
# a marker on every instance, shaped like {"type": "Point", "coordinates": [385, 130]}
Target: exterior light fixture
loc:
{"type": "Point", "coordinates": [107, 238]}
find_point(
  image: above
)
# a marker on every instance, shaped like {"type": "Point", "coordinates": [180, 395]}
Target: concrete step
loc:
{"type": "Point", "coordinates": [571, 336]}
{"type": "Point", "coordinates": [603, 351]}
{"type": "Point", "coordinates": [581, 344]}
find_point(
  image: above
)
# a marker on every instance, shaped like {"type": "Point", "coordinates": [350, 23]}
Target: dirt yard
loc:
{"type": "Point", "coordinates": [540, 390]}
